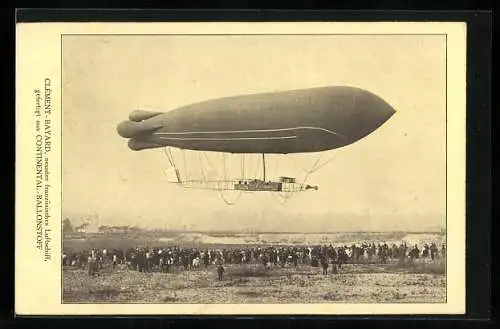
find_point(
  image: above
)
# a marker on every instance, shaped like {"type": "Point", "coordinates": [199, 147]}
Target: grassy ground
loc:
{"type": "Point", "coordinates": [421, 282]}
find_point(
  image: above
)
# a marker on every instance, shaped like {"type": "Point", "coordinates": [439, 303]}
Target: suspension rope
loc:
{"type": "Point", "coordinates": [185, 166]}
{"type": "Point", "coordinates": [202, 171]}
{"type": "Point", "coordinates": [276, 166]}
{"type": "Point", "coordinates": [257, 167]}
{"type": "Point", "coordinates": [171, 155]}
{"type": "Point", "coordinates": [315, 164]}
{"type": "Point", "coordinates": [323, 164]}
{"type": "Point", "coordinates": [288, 195]}
{"type": "Point", "coordinates": [295, 162]}
{"type": "Point", "coordinates": [224, 179]}
{"type": "Point", "coordinates": [209, 162]}
{"type": "Point", "coordinates": [243, 166]}
{"type": "Point", "coordinates": [221, 193]}
{"type": "Point", "coordinates": [170, 158]}
{"type": "Point", "coordinates": [223, 166]}
{"type": "Point", "coordinates": [168, 155]}
{"type": "Point", "coordinates": [281, 197]}
{"type": "Point", "coordinates": [315, 167]}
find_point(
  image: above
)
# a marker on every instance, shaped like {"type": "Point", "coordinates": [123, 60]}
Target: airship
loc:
{"type": "Point", "coordinates": [293, 121]}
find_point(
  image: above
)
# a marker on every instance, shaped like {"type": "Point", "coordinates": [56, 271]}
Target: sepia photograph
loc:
{"type": "Point", "coordinates": [254, 169]}
{"type": "Point", "coordinates": [240, 168]}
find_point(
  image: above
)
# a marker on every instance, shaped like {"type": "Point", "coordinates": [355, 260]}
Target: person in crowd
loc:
{"type": "Point", "coordinates": [220, 272]}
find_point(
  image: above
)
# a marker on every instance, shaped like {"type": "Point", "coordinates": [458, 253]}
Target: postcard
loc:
{"type": "Point", "coordinates": [240, 168]}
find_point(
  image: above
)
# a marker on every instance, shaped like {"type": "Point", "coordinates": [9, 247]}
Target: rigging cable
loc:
{"type": "Point", "coordinates": [276, 166]}
{"type": "Point", "coordinates": [315, 167]}
{"type": "Point", "coordinates": [323, 164]}
{"type": "Point", "coordinates": [224, 181]}
{"type": "Point", "coordinates": [185, 166]}
{"type": "Point", "coordinates": [170, 159]}
{"type": "Point", "coordinates": [257, 166]}
{"type": "Point", "coordinates": [171, 155]}
{"type": "Point", "coordinates": [223, 166]}
{"type": "Point", "coordinates": [209, 162]}
{"type": "Point", "coordinates": [288, 195]}
{"type": "Point", "coordinates": [168, 156]}
{"type": "Point", "coordinates": [202, 171]}
{"type": "Point", "coordinates": [243, 166]}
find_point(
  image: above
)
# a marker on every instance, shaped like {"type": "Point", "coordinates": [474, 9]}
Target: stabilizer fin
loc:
{"type": "Point", "coordinates": [129, 129]}
{"type": "Point", "coordinates": [140, 115]}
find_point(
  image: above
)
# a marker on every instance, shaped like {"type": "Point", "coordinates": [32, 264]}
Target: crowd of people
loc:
{"type": "Point", "coordinates": [167, 259]}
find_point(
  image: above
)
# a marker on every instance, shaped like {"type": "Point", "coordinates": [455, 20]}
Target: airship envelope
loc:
{"type": "Point", "coordinates": [295, 121]}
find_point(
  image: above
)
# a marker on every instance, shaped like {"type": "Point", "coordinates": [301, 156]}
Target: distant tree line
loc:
{"type": "Point", "coordinates": [118, 229]}
{"type": "Point", "coordinates": [67, 226]}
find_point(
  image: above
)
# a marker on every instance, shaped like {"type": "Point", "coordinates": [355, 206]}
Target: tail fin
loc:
{"type": "Point", "coordinates": [140, 115]}
{"type": "Point", "coordinates": [129, 129]}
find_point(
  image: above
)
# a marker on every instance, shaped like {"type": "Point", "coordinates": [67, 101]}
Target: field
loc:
{"type": "Point", "coordinates": [355, 283]}
{"type": "Point", "coordinates": [423, 281]}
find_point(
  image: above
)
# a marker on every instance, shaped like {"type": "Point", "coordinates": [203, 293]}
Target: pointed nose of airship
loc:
{"type": "Point", "coordinates": [350, 113]}
{"type": "Point", "coordinates": [386, 112]}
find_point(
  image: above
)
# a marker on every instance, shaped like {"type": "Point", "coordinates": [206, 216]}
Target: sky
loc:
{"type": "Point", "coordinates": [393, 179]}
